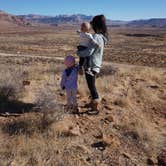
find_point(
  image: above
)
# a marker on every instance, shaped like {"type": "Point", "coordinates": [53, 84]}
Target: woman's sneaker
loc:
{"type": "Point", "coordinates": [95, 108]}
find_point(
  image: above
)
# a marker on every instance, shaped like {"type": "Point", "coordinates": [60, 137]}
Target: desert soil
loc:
{"type": "Point", "coordinates": [130, 128]}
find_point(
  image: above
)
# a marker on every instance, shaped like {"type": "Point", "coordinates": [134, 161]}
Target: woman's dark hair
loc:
{"type": "Point", "coordinates": [99, 25]}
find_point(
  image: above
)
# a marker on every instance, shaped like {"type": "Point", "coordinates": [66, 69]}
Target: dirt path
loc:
{"type": "Point", "coordinates": [29, 56]}
{"type": "Point", "coordinates": [105, 63]}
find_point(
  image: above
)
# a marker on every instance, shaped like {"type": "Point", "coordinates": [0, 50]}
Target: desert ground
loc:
{"type": "Point", "coordinates": [130, 129]}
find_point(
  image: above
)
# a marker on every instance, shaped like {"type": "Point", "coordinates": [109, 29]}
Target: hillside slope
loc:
{"type": "Point", "coordinates": [9, 21]}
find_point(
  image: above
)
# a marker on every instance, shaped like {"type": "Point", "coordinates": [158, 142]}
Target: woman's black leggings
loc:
{"type": "Point", "coordinates": [91, 80]}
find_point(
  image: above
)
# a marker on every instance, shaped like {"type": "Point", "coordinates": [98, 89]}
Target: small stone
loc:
{"type": "Point", "coordinates": [74, 131]}
{"type": "Point", "coordinates": [109, 119]}
{"type": "Point", "coordinates": [154, 86]}
{"type": "Point", "coordinates": [98, 134]}
{"type": "Point", "coordinates": [104, 100]}
{"type": "Point", "coordinates": [13, 163]}
{"type": "Point", "coordinates": [126, 155]}
{"type": "Point", "coordinates": [150, 161]}
{"type": "Point", "coordinates": [61, 94]}
{"type": "Point", "coordinates": [107, 107]}
{"type": "Point", "coordinates": [26, 83]}
{"type": "Point", "coordinates": [99, 145]}
{"type": "Point", "coordinates": [122, 102]}
{"type": "Point", "coordinates": [88, 159]}
{"type": "Point", "coordinates": [108, 139]}
{"type": "Point", "coordinates": [162, 159]}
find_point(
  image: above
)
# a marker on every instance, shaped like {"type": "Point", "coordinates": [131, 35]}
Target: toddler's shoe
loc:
{"type": "Point", "coordinates": [75, 110]}
{"type": "Point", "coordinates": [68, 108]}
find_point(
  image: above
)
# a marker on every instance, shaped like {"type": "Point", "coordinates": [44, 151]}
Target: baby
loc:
{"type": "Point", "coordinates": [69, 83]}
{"type": "Point", "coordinates": [85, 39]}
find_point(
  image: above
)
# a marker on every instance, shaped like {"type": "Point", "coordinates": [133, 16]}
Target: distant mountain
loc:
{"type": "Point", "coordinates": [117, 22]}
{"type": "Point", "coordinates": [66, 19]}
{"type": "Point", "coordinates": [79, 18]}
{"type": "Point", "coordinates": [8, 20]}
{"type": "Point", "coordinates": [60, 19]}
{"type": "Point", "coordinates": [34, 17]}
{"type": "Point", "coordinates": [155, 22]}
{"type": "Point", "coordinates": [28, 20]}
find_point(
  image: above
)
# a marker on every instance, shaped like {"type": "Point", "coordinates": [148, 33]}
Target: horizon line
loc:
{"type": "Point", "coordinates": [63, 14]}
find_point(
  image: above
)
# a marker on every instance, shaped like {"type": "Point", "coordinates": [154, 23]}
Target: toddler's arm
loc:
{"type": "Point", "coordinates": [78, 32]}
{"type": "Point", "coordinates": [63, 80]}
{"type": "Point", "coordinates": [77, 67]}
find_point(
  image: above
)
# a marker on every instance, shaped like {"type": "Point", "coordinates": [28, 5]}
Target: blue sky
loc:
{"type": "Point", "coordinates": [113, 9]}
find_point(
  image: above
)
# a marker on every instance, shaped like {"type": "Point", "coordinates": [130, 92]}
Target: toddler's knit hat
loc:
{"type": "Point", "coordinates": [69, 61]}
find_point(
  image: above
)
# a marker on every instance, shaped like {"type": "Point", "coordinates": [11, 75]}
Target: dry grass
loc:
{"type": "Point", "coordinates": [52, 136]}
{"type": "Point", "coordinates": [11, 83]}
{"type": "Point", "coordinates": [123, 48]}
{"type": "Point", "coordinates": [129, 130]}
{"type": "Point", "coordinates": [140, 129]}
{"type": "Point", "coordinates": [82, 90]}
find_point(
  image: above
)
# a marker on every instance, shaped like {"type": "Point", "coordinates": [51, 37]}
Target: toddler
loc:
{"type": "Point", "coordinates": [85, 38]}
{"type": "Point", "coordinates": [69, 83]}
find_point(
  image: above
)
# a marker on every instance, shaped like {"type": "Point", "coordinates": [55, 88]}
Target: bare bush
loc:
{"type": "Point", "coordinates": [45, 99]}
{"type": "Point", "coordinates": [10, 84]}
{"type": "Point", "coordinates": [46, 102]}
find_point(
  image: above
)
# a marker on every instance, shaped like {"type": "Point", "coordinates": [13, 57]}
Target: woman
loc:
{"type": "Point", "coordinates": [96, 53]}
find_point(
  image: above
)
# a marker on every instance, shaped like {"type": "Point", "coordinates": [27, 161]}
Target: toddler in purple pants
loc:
{"type": "Point", "coordinates": [69, 83]}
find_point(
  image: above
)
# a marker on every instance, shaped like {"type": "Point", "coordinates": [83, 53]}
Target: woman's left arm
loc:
{"type": "Point", "coordinates": [97, 43]}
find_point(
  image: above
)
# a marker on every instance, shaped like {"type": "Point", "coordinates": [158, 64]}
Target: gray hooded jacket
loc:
{"type": "Point", "coordinates": [95, 51]}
